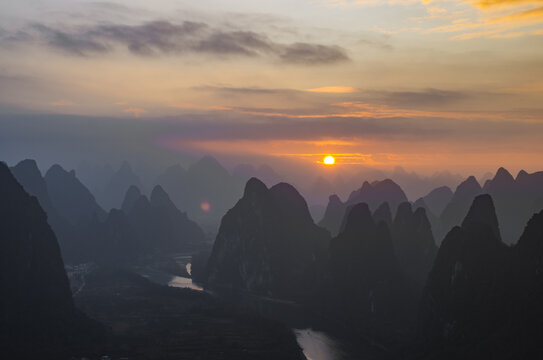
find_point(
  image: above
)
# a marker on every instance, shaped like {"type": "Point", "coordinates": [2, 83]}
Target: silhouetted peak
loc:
{"type": "Point", "coordinates": [130, 198]}
{"type": "Point", "coordinates": [29, 166]}
{"type": "Point", "coordinates": [287, 191]}
{"type": "Point", "coordinates": [56, 170]}
{"type": "Point", "coordinates": [159, 197]}
{"type": "Point", "coordinates": [290, 202]}
{"type": "Point", "coordinates": [208, 169]}
{"type": "Point", "coordinates": [471, 181]}
{"type": "Point", "coordinates": [421, 218]}
{"type": "Point", "coordinates": [482, 211]}
{"type": "Point", "coordinates": [502, 173]}
{"type": "Point", "coordinates": [530, 244]}
{"type": "Point", "coordinates": [419, 203]}
{"type": "Point", "coordinates": [404, 212]}
{"type": "Point", "coordinates": [9, 184]}
{"type": "Point", "coordinates": [384, 183]}
{"type": "Point", "coordinates": [503, 180]}
{"type": "Point", "coordinates": [437, 199]}
{"type": "Point", "coordinates": [383, 213]}
{"type": "Point", "coordinates": [207, 162]}
{"type": "Point", "coordinates": [29, 176]}
{"type": "Point", "coordinates": [254, 188]}
{"type": "Point", "coordinates": [521, 175]}
{"type": "Point", "coordinates": [442, 190]}
{"type": "Point", "coordinates": [468, 187]}
{"type": "Point", "coordinates": [334, 200]}
{"type": "Point", "coordinates": [359, 219]}
{"type": "Point", "coordinates": [377, 192]}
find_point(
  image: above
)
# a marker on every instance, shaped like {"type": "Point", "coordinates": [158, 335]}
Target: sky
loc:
{"type": "Point", "coordinates": [427, 85]}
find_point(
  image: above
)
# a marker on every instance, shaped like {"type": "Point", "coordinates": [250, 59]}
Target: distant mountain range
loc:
{"type": "Point", "coordinates": [515, 198]}
{"type": "Point", "coordinates": [88, 233]}
{"type": "Point", "coordinates": [483, 298]}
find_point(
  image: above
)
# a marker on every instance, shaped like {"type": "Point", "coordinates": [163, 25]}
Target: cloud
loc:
{"type": "Point", "coordinates": [70, 43]}
{"type": "Point", "coordinates": [243, 90]}
{"type": "Point", "coordinates": [495, 19]}
{"type": "Point", "coordinates": [426, 97]}
{"type": "Point", "coordinates": [532, 15]}
{"type": "Point", "coordinates": [166, 38]}
{"type": "Point", "coordinates": [489, 3]}
{"type": "Point", "coordinates": [136, 112]}
{"type": "Point", "coordinates": [237, 42]}
{"type": "Point", "coordinates": [334, 90]}
{"type": "Point", "coordinates": [359, 3]}
{"type": "Point", "coordinates": [62, 103]}
{"type": "Point", "coordinates": [304, 53]}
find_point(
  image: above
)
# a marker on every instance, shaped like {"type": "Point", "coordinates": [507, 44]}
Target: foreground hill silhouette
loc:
{"type": "Point", "coordinates": [483, 298]}
{"type": "Point", "coordinates": [267, 243]}
{"type": "Point", "coordinates": [366, 279]}
{"type": "Point", "coordinates": [413, 242]}
{"type": "Point", "coordinates": [37, 311]}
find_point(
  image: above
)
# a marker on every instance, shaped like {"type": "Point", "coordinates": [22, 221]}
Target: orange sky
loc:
{"type": "Point", "coordinates": [427, 85]}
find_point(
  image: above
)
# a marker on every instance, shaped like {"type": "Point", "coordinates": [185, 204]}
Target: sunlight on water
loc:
{"type": "Point", "coordinates": [183, 282]}
{"type": "Point", "coordinates": [163, 278]}
{"type": "Point", "coordinates": [317, 345]}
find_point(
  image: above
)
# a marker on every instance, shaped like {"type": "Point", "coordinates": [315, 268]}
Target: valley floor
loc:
{"type": "Point", "coordinates": [149, 321]}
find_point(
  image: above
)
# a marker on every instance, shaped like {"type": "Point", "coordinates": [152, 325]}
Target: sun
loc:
{"type": "Point", "coordinates": [329, 160]}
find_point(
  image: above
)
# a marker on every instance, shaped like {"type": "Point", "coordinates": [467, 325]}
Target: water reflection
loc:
{"type": "Point", "coordinates": [183, 282]}
{"type": "Point", "coordinates": [163, 278]}
{"type": "Point", "coordinates": [317, 345]}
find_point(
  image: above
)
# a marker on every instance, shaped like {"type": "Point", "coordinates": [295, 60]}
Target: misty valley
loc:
{"type": "Point", "coordinates": [205, 263]}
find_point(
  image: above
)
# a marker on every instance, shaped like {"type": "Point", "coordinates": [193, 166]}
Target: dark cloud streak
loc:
{"type": "Point", "coordinates": [165, 38]}
{"type": "Point", "coordinates": [227, 127]}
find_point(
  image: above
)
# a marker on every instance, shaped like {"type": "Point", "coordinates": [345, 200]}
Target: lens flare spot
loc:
{"type": "Point", "coordinates": [329, 160]}
{"type": "Point", "coordinates": [205, 206]}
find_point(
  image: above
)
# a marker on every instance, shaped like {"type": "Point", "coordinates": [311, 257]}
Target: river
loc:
{"type": "Point", "coordinates": [316, 345]}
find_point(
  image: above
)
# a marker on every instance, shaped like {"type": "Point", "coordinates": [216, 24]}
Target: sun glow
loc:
{"type": "Point", "coordinates": [329, 160]}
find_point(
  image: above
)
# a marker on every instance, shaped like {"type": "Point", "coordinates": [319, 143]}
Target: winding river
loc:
{"type": "Point", "coordinates": [316, 345]}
